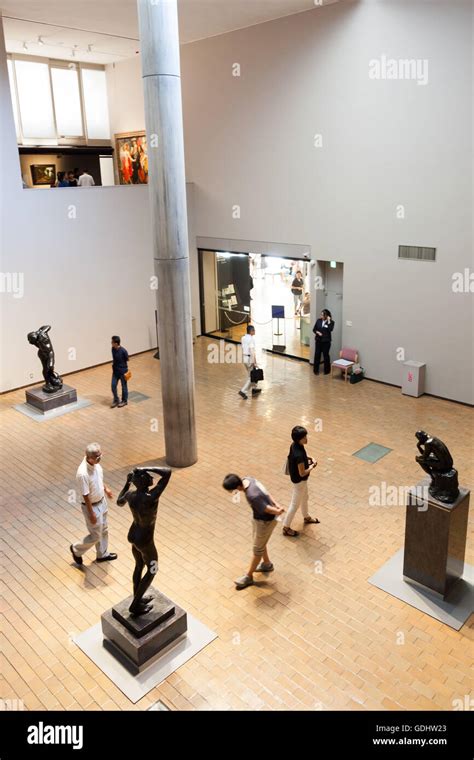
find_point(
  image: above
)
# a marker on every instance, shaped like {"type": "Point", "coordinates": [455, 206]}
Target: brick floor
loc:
{"type": "Point", "coordinates": [314, 635]}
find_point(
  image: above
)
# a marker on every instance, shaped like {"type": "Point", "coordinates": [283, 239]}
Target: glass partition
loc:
{"type": "Point", "coordinates": [270, 292]}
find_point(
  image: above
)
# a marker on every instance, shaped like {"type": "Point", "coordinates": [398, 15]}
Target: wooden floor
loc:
{"type": "Point", "coordinates": [315, 635]}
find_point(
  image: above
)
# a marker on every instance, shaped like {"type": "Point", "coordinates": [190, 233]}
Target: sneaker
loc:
{"type": "Point", "coordinates": [256, 391]}
{"type": "Point", "coordinates": [243, 582]}
{"type": "Point", "coordinates": [263, 568]}
{"type": "Point", "coordinates": [76, 557]}
{"type": "Point", "coordinates": [244, 395]}
{"type": "Point", "coordinates": [123, 403]}
{"type": "Point", "coordinates": [115, 403]}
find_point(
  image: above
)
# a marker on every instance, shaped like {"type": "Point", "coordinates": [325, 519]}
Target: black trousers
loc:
{"type": "Point", "coordinates": [322, 347]}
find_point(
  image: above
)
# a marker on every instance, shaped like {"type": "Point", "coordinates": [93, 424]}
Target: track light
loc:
{"type": "Point", "coordinates": [89, 48]}
{"type": "Point", "coordinates": [25, 46]}
{"type": "Point", "coordinates": [41, 40]}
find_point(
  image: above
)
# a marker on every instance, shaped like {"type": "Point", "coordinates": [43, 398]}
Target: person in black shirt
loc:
{"type": "Point", "coordinates": [300, 467]}
{"type": "Point", "coordinates": [322, 330]}
{"type": "Point", "coordinates": [297, 287]}
{"type": "Point", "coordinates": [119, 370]}
{"type": "Point", "coordinates": [265, 509]}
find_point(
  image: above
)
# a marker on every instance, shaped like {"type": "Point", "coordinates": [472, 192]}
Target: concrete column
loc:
{"type": "Point", "coordinates": [158, 24]}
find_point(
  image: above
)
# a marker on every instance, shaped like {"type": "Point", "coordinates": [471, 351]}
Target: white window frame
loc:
{"type": "Point", "coordinates": [58, 141]}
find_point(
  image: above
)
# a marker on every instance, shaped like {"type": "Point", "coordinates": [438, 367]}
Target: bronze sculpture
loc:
{"type": "Point", "coordinates": [436, 460]}
{"type": "Point", "coordinates": [143, 504]}
{"type": "Point", "coordinates": [42, 341]}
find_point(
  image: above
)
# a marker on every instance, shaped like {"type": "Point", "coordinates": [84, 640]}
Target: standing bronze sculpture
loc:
{"type": "Point", "coordinates": [42, 341]}
{"type": "Point", "coordinates": [436, 460]}
{"type": "Point", "coordinates": [143, 504]}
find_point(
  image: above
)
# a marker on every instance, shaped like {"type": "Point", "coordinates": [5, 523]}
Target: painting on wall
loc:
{"type": "Point", "coordinates": [132, 158]}
{"type": "Point", "coordinates": [43, 174]}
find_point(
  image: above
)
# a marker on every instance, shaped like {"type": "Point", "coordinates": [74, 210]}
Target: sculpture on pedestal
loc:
{"type": "Point", "coordinates": [42, 341]}
{"type": "Point", "coordinates": [436, 460]}
{"type": "Point", "coordinates": [143, 504]}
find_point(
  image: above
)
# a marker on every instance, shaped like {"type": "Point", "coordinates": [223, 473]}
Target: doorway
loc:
{"type": "Point", "coordinates": [238, 288]}
{"type": "Point", "coordinates": [330, 296]}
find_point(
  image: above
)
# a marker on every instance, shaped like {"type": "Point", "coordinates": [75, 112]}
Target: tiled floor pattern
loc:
{"type": "Point", "coordinates": [315, 634]}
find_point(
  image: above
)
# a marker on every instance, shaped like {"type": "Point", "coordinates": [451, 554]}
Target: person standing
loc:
{"type": "Point", "coordinates": [119, 370]}
{"type": "Point", "coordinates": [62, 180]}
{"type": "Point", "coordinates": [72, 179]}
{"type": "Point", "coordinates": [300, 467]}
{"type": "Point", "coordinates": [86, 179]}
{"type": "Point", "coordinates": [249, 358]}
{"type": "Point", "coordinates": [265, 510]}
{"type": "Point", "coordinates": [322, 330]}
{"type": "Point", "coordinates": [297, 287]}
{"type": "Point", "coordinates": [94, 494]}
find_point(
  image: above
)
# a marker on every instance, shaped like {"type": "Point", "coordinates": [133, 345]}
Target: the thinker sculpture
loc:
{"type": "Point", "coordinates": [143, 504]}
{"type": "Point", "coordinates": [42, 341]}
{"type": "Point", "coordinates": [436, 460]}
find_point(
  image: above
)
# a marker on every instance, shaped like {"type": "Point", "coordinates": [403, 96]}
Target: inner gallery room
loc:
{"type": "Point", "coordinates": [237, 358]}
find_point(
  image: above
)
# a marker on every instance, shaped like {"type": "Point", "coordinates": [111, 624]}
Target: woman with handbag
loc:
{"type": "Point", "coordinates": [119, 372]}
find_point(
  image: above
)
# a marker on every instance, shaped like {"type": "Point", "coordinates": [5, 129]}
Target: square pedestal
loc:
{"type": "Point", "coordinates": [435, 539]}
{"type": "Point", "coordinates": [136, 642]}
{"type": "Point", "coordinates": [45, 402]}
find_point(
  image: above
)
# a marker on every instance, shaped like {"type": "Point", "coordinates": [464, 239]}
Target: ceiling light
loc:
{"type": "Point", "coordinates": [73, 53]}
{"type": "Point", "coordinates": [89, 48]}
{"type": "Point", "coordinates": [25, 46]}
{"type": "Point", "coordinates": [41, 40]}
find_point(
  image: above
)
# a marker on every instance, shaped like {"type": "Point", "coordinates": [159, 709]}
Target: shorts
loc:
{"type": "Point", "coordinates": [262, 531]}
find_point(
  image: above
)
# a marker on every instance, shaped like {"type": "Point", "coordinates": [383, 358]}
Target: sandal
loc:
{"type": "Point", "coordinates": [311, 520]}
{"type": "Point", "coordinates": [290, 532]}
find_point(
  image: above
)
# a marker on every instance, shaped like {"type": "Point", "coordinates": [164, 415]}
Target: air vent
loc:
{"type": "Point", "coordinates": [416, 253]}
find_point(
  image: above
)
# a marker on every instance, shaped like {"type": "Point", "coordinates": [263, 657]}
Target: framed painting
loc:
{"type": "Point", "coordinates": [132, 158]}
{"type": "Point", "coordinates": [43, 174]}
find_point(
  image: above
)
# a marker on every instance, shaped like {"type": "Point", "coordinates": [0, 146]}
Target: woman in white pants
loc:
{"type": "Point", "coordinates": [300, 466]}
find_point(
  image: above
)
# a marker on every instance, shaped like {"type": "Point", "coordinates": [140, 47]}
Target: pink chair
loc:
{"type": "Point", "coordinates": [347, 358]}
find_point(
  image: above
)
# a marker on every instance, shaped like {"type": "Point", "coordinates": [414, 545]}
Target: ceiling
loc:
{"type": "Point", "coordinates": [105, 31]}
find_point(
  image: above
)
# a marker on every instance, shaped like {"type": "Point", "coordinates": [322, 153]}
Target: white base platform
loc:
{"type": "Point", "coordinates": [170, 659]}
{"type": "Point", "coordinates": [453, 612]}
{"type": "Point", "coordinates": [29, 411]}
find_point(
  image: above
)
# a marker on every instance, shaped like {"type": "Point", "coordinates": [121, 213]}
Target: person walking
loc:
{"type": "Point", "coordinates": [265, 510]}
{"type": "Point", "coordinates": [300, 467]}
{"type": "Point", "coordinates": [249, 358]}
{"type": "Point", "coordinates": [119, 371]}
{"type": "Point", "coordinates": [297, 287]}
{"type": "Point", "coordinates": [322, 330]}
{"type": "Point", "coordinates": [94, 494]}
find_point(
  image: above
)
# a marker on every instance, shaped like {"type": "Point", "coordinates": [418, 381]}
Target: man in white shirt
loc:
{"type": "Point", "coordinates": [90, 481]}
{"type": "Point", "coordinates": [85, 180]}
{"type": "Point", "coordinates": [249, 359]}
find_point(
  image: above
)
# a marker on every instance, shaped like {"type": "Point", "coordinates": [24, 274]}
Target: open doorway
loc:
{"type": "Point", "coordinates": [271, 292]}
{"type": "Point", "coordinates": [329, 295]}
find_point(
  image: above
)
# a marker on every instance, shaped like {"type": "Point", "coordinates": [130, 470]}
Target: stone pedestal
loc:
{"type": "Point", "coordinates": [136, 641]}
{"type": "Point", "coordinates": [45, 402]}
{"type": "Point", "coordinates": [435, 539]}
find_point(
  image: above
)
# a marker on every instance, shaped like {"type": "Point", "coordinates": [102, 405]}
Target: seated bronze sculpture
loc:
{"type": "Point", "coordinates": [436, 460]}
{"type": "Point", "coordinates": [42, 341]}
{"type": "Point", "coordinates": [143, 504]}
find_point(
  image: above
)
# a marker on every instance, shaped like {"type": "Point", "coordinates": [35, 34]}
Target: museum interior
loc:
{"type": "Point", "coordinates": [299, 167]}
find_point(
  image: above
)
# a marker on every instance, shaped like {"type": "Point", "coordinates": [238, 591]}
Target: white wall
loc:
{"type": "Point", "coordinates": [250, 141]}
{"type": "Point", "coordinates": [86, 258]}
